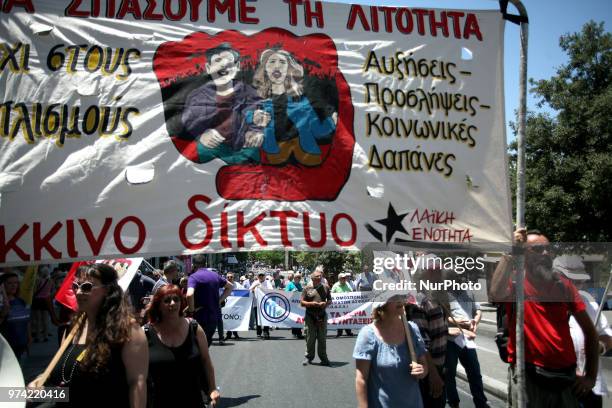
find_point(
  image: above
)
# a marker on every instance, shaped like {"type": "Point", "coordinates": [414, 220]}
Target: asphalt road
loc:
{"type": "Point", "coordinates": [268, 373]}
{"type": "Point", "coordinates": [257, 373]}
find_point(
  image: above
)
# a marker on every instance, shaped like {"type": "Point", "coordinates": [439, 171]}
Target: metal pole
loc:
{"type": "Point", "coordinates": [286, 259]}
{"type": "Point", "coordinates": [603, 299]}
{"type": "Point", "coordinates": [520, 208]}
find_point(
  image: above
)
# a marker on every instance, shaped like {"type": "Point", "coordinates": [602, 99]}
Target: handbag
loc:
{"type": "Point", "coordinates": [205, 386]}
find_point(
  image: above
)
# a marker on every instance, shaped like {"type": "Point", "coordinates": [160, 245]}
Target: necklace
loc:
{"type": "Point", "coordinates": [64, 380]}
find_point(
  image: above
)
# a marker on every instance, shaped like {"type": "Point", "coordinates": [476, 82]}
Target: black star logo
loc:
{"type": "Point", "coordinates": [393, 222]}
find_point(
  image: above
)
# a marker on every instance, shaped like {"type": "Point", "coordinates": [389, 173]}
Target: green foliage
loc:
{"type": "Point", "coordinates": [569, 154]}
{"type": "Point", "coordinates": [271, 258]}
{"type": "Point", "coordinates": [334, 262]}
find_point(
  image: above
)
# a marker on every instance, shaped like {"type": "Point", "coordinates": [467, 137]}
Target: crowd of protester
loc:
{"type": "Point", "coordinates": [155, 338]}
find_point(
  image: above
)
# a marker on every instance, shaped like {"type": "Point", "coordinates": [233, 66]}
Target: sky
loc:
{"type": "Point", "coordinates": [548, 20]}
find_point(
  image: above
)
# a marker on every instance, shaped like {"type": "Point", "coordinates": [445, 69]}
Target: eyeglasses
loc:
{"type": "Point", "coordinates": [171, 299]}
{"type": "Point", "coordinates": [85, 287]}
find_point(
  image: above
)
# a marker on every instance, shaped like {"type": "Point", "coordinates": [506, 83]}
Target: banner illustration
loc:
{"type": "Point", "coordinates": [139, 128]}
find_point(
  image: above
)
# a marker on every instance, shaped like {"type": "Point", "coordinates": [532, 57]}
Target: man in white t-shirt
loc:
{"type": "Point", "coordinates": [573, 268]}
{"type": "Point", "coordinates": [263, 283]}
{"type": "Point", "coordinates": [461, 347]}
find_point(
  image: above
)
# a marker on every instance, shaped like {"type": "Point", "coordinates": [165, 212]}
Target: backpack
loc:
{"type": "Point", "coordinates": [503, 333]}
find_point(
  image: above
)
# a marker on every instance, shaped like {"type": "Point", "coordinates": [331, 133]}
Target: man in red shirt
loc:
{"type": "Point", "coordinates": [550, 299]}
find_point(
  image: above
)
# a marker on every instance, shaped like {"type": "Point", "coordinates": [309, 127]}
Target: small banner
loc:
{"type": "Point", "coordinates": [281, 309]}
{"type": "Point", "coordinates": [126, 269]}
{"type": "Point", "coordinates": [237, 311]}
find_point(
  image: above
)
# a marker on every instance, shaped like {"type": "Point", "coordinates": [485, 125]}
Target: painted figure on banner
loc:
{"type": "Point", "coordinates": [215, 113]}
{"type": "Point", "coordinates": [295, 127]}
{"type": "Point", "coordinates": [272, 106]}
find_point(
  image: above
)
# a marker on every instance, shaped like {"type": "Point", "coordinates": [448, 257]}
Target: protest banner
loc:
{"type": "Point", "coordinates": [351, 310]}
{"type": "Point", "coordinates": [237, 311]}
{"type": "Point", "coordinates": [28, 284]}
{"type": "Point", "coordinates": [139, 127]}
{"type": "Point", "coordinates": [126, 269]}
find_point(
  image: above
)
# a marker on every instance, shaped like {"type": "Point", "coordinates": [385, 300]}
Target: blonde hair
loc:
{"type": "Point", "coordinates": [293, 81]}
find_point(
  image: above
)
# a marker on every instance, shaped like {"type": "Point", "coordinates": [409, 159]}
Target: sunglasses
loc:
{"type": "Point", "coordinates": [171, 299]}
{"type": "Point", "coordinates": [85, 287]}
{"type": "Point", "coordinates": [540, 249]}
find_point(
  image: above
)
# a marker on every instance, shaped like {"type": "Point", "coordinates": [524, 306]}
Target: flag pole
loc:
{"type": "Point", "coordinates": [520, 199]}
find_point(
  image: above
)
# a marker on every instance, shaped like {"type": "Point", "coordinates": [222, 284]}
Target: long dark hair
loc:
{"type": "Point", "coordinates": [113, 320]}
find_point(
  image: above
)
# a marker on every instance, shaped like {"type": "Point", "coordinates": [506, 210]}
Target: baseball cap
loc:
{"type": "Point", "coordinates": [571, 266]}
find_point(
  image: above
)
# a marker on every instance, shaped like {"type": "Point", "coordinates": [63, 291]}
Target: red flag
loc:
{"type": "Point", "coordinates": [65, 295]}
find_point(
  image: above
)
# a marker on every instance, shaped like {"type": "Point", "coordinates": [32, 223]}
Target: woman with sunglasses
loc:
{"type": "Point", "coordinates": [178, 353]}
{"type": "Point", "coordinates": [106, 364]}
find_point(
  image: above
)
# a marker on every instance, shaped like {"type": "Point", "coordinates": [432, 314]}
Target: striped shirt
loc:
{"type": "Point", "coordinates": [429, 316]}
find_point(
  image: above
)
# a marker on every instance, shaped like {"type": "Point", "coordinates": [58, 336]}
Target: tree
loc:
{"type": "Point", "coordinates": [569, 152]}
{"type": "Point", "coordinates": [334, 262]}
{"type": "Point", "coordinates": [270, 258]}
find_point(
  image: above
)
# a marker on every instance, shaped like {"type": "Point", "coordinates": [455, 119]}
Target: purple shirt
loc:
{"type": "Point", "coordinates": [206, 284]}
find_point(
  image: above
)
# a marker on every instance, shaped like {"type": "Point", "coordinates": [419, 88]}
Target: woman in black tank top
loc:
{"type": "Point", "coordinates": [106, 364]}
{"type": "Point", "coordinates": [178, 354]}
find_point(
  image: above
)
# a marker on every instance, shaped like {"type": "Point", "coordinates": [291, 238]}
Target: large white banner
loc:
{"type": "Point", "coordinates": [141, 127]}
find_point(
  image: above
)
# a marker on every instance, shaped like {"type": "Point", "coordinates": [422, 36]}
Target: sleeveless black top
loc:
{"type": "Point", "coordinates": [175, 373]}
{"type": "Point", "coordinates": [105, 389]}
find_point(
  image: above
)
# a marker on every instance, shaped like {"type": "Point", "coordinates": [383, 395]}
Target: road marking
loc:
{"type": "Point", "coordinates": [487, 350]}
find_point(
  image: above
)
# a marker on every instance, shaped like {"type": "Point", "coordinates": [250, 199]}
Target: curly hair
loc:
{"type": "Point", "coordinates": [293, 81]}
{"type": "Point", "coordinates": [113, 320]}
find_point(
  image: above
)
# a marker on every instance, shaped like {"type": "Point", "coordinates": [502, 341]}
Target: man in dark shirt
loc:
{"type": "Point", "coordinates": [315, 299]}
{"type": "Point", "coordinates": [216, 113]}
{"type": "Point", "coordinates": [139, 292]}
{"type": "Point", "coordinates": [203, 295]}
{"type": "Point", "coordinates": [171, 270]}
{"type": "Point", "coordinates": [429, 315]}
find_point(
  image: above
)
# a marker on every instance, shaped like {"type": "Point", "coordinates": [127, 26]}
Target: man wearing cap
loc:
{"type": "Point", "coordinates": [315, 299]}
{"type": "Point", "coordinates": [572, 267]}
{"type": "Point", "coordinates": [550, 360]}
{"type": "Point", "coordinates": [342, 286]}
{"type": "Point", "coordinates": [263, 283]}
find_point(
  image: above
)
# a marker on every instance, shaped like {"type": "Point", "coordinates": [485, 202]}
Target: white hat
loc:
{"type": "Point", "coordinates": [571, 266]}
{"type": "Point", "coordinates": [342, 275]}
